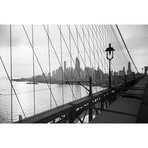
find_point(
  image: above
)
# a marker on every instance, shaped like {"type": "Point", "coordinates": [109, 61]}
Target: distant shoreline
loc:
{"type": "Point", "coordinates": [51, 82]}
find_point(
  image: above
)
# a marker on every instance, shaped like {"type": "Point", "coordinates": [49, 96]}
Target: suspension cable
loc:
{"type": "Point", "coordinates": [93, 52]}
{"type": "Point", "coordinates": [56, 54]}
{"type": "Point", "coordinates": [12, 86]}
{"type": "Point", "coordinates": [126, 47]}
{"type": "Point", "coordinates": [78, 71]}
{"type": "Point", "coordinates": [97, 51]}
{"type": "Point", "coordinates": [77, 48]}
{"type": "Point", "coordinates": [33, 69]}
{"type": "Point", "coordinates": [11, 73]}
{"type": "Point", "coordinates": [49, 58]}
{"type": "Point", "coordinates": [69, 50]}
{"type": "Point", "coordinates": [39, 64]}
{"type": "Point", "coordinates": [99, 38]}
{"type": "Point", "coordinates": [78, 58]}
{"type": "Point", "coordinates": [117, 43]}
{"type": "Point", "coordinates": [71, 70]}
{"type": "Point", "coordinates": [108, 40]}
{"type": "Point", "coordinates": [84, 55]}
{"type": "Point", "coordinates": [62, 65]}
{"type": "Point", "coordinates": [90, 49]}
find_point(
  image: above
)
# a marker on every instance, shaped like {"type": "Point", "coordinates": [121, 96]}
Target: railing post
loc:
{"type": "Point", "coordinates": [71, 117]}
{"type": "Point", "coordinates": [90, 86]}
{"type": "Point", "coordinates": [20, 118]}
{"type": "Point", "coordinates": [102, 105]}
{"type": "Point", "coordinates": [90, 95]}
{"type": "Point", "coordinates": [125, 78]}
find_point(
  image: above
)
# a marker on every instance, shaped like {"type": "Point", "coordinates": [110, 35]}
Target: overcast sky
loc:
{"type": "Point", "coordinates": [135, 36]}
{"type": "Point", "coordinates": [136, 39]}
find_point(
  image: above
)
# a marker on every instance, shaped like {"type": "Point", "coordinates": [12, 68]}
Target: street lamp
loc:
{"type": "Point", "coordinates": [110, 55]}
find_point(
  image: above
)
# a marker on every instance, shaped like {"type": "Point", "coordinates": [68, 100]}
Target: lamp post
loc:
{"type": "Point", "coordinates": [110, 55]}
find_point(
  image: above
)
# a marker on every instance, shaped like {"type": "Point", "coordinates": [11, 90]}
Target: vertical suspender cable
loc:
{"type": "Point", "coordinates": [89, 47]}
{"type": "Point", "coordinates": [71, 75]}
{"type": "Point", "coordinates": [84, 55]}
{"type": "Point", "coordinates": [78, 57]}
{"type": "Point", "coordinates": [95, 54]}
{"type": "Point", "coordinates": [126, 48]}
{"type": "Point", "coordinates": [12, 86]}
{"type": "Point", "coordinates": [69, 50]}
{"type": "Point", "coordinates": [86, 52]}
{"type": "Point", "coordinates": [106, 37]}
{"type": "Point", "coordinates": [39, 63]}
{"type": "Point", "coordinates": [93, 51]}
{"type": "Point", "coordinates": [56, 52]}
{"type": "Point", "coordinates": [62, 65]}
{"type": "Point", "coordinates": [105, 44]}
{"type": "Point", "coordinates": [113, 37]}
{"type": "Point", "coordinates": [90, 50]}
{"type": "Point", "coordinates": [33, 69]}
{"type": "Point", "coordinates": [49, 67]}
{"type": "Point", "coordinates": [100, 38]}
{"type": "Point", "coordinates": [77, 48]}
{"type": "Point", "coordinates": [98, 54]}
{"type": "Point", "coordinates": [96, 57]}
{"type": "Point", "coordinates": [11, 73]}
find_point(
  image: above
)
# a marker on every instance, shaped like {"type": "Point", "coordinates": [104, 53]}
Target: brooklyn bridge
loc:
{"type": "Point", "coordinates": [70, 74]}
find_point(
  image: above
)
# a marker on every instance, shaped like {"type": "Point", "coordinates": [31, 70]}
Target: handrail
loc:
{"type": "Point", "coordinates": [73, 109]}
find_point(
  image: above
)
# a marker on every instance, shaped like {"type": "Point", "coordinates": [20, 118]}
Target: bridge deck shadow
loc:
{"type": "Point", "coordinates": [131, 107]}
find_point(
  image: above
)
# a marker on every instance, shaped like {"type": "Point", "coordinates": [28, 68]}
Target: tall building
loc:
{"type": "Point", "coordinates": [77, 69]}
{"type": "Point", "coordinates": [59, 75]}
{"type": "Point", "coordinates": [115, 73]}
{"type": "Point", "coordinates": [121, 73]}
{"type": "Point", "coordinates": [77, 64]}
{"type": "Point", "coordinates": [64, 66]}
{"type": "Point", "coordinates": [49, 75]}
{"type": "Point", "coordinates": [43, 75]}
{"type": "Point", "coordinates": [129, 71]}
{"type": "Point", "coordinates": [123, 70]}
{"type": "Point", "coordinates": [129, 66]}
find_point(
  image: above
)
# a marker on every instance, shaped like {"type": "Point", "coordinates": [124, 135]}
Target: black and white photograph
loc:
{"type": "Point", "coordinates": [73, 73]}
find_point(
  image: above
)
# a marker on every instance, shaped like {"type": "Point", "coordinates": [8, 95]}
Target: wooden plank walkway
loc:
{"type": "Point", "coordinates": [129, 107]}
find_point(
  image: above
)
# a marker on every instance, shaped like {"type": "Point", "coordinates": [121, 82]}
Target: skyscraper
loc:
{"type": "Point", "coordinates": [77, 64]}
{"type": "Point", "coordinates": [64, 66]}
{"type": "Point", "coordinates": [123, 70]}
{"type": "Point", "coordinates": [77, 68]}
{"type": "Point", "coordinates": [129, 71]}
{"type": "Point", "coordinates": [129, 66]}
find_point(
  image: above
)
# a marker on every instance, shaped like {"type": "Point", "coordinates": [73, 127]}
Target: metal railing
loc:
{"type": "Point", "coordinates": [76, 111]}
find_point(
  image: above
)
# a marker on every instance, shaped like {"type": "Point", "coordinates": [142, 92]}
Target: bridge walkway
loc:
{"type": "Point", "coordinates": [131, 107]}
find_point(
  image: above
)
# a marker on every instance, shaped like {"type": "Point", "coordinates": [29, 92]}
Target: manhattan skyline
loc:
{"type": "Point", "coordinates": [64, 74]}
{"type": "Point", "coordinates": [22, 52]}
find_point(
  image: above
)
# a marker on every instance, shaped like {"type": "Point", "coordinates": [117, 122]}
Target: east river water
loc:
{"type": "Point", "coordinates": [43, 98]}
